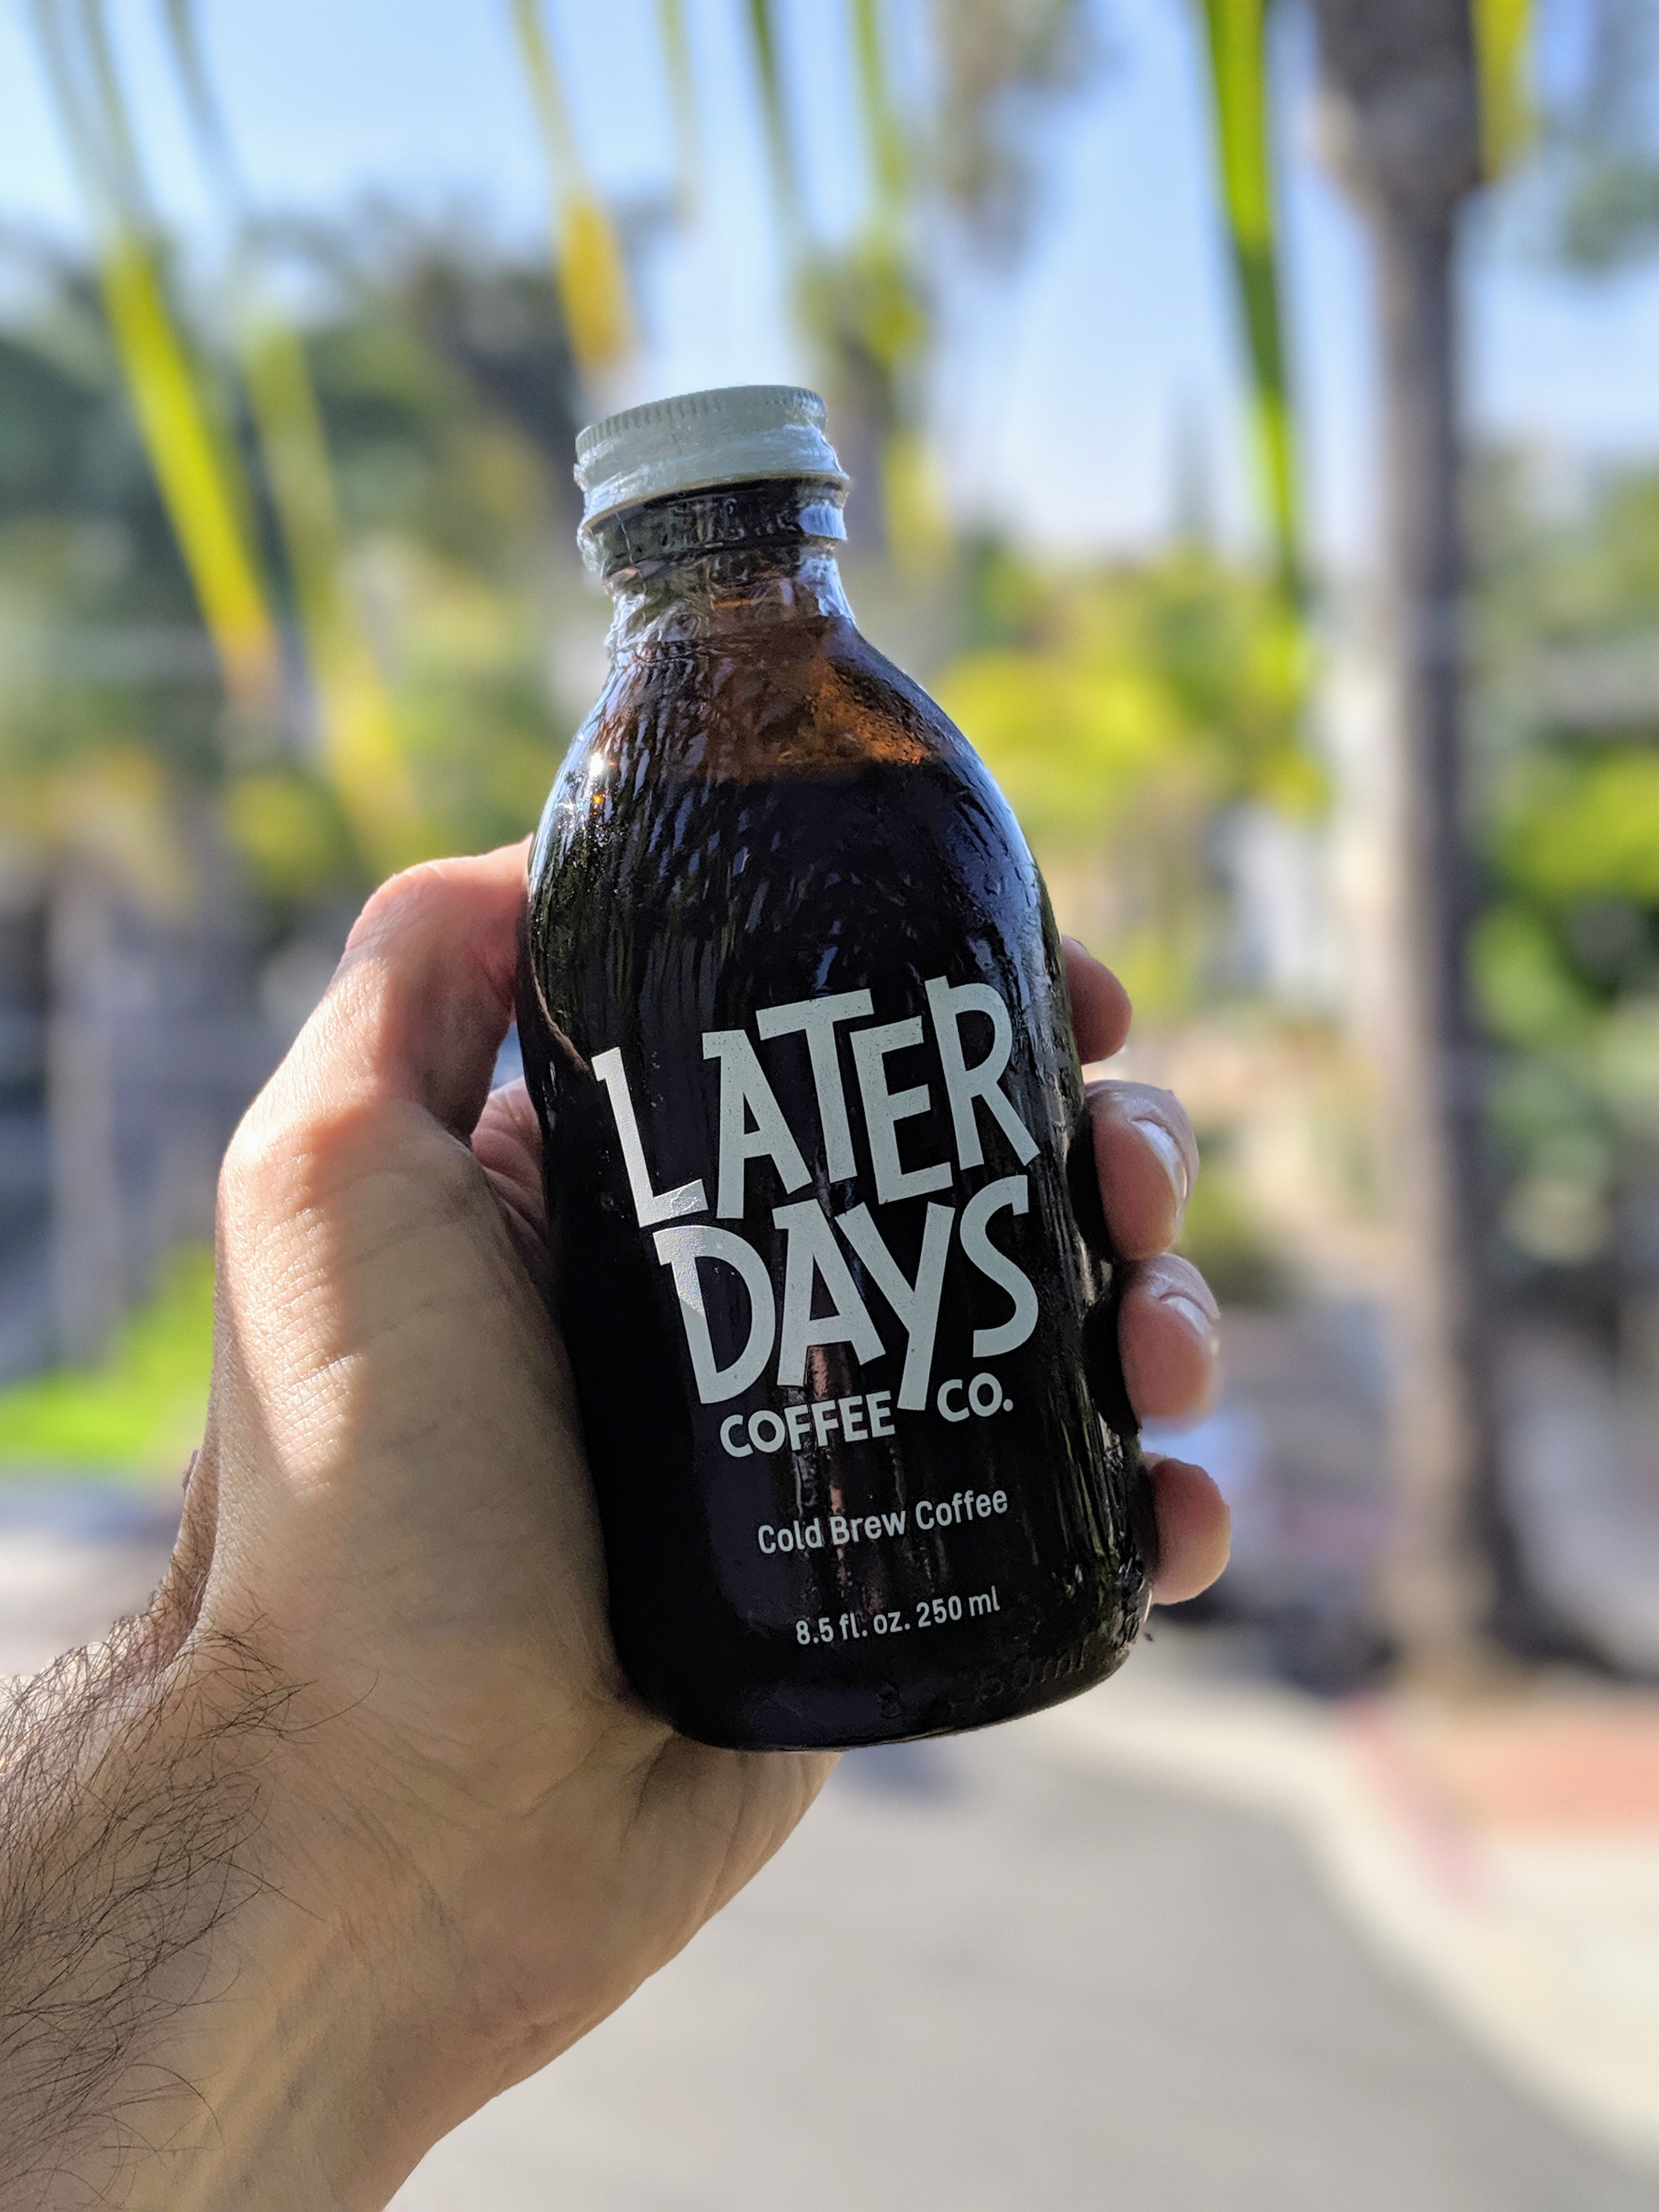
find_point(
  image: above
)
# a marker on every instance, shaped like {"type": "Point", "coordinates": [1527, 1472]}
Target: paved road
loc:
{"type": "Point", "coordinates": [980, 1981]}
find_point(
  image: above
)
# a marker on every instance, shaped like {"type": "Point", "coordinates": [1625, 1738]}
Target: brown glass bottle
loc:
{"type": "Point", "coordinates": [795, 1021]}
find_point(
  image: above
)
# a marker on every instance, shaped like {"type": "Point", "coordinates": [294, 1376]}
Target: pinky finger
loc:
{"type": "Point", "coordinates": [1194, 1529]}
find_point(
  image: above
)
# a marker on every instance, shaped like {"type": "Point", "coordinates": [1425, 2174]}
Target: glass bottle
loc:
{"type": "Point", "coordinates": [795, 1021]}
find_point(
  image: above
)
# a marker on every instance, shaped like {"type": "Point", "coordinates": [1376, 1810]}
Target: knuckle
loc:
{"type": "Point", "coordinates": [258, 1175]}
{"type": "Point", "coordinates": [405, 897]}
{"type": "Point", "coordinates": [246, 1169]}
{"type": "Point", "coordinates": [287, 1160]}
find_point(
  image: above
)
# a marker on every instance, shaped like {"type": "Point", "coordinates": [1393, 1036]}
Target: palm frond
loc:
{"type": "Point", "coordinates": [897, 324]}
{"type": "Point", "coordinates": [189, 465]}
{"type": "Point", "coordinates": [682, 103]}
{"type": "Point", "coordinates": [200, 479]}
{"type": "Point", "coordinates": [775, 111]}
{"type": "Point", "coordinates": [212, 139]}
{"type": "Point", "coordinates": [1503, 47]}
{"type": "Point", "coordinates": [362, 742]}
{"type": "Point", "coordinates": [588, 265]}
{"type": "Point", "coordinates": [1238, 66]}
{"type": "Point", "coordinates": [888, 165]}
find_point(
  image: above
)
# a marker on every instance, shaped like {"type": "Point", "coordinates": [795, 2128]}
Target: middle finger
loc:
{"type": "Point", "coordinates": [1166, 1339]}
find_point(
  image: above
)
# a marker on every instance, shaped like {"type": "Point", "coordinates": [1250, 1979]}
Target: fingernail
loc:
{"type": "Point", "coordinates": [1077, 945]}
{"type": "Point", "coordinates": [1169, 1153]}
{"type": "Point", "coordinates": [1199, 1322]}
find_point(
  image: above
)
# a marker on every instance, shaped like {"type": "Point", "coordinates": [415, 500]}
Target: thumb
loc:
{"type": "Point", "coordinates": [423, 995]}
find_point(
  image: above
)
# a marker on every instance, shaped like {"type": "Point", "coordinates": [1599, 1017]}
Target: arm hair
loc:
{"type": "Point", "coordinates": [129, 1800]}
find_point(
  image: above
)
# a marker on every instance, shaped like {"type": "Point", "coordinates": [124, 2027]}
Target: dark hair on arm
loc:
{"type": "Point", "coordinates": [130, 1793]}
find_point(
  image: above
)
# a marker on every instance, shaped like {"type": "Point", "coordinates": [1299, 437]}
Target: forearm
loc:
{"type": "Point", "coordinates": [177, 2029]}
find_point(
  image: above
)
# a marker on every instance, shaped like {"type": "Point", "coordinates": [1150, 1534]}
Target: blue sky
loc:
{"type": "Point", "coordinates": [1064, 393]}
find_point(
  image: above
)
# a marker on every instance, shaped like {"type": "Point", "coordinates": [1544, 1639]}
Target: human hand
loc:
{"type": "Point", "coordinates": [461, 1840]}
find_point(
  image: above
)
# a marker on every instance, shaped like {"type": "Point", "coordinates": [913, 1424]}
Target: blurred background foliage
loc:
{"type": "Point", "coordinates": [289, 597]}
{"type": "Point", "coordinates": [1124, 710]}
{"type": "Point", "coordinates": [391, 475]}
{"type": "Point", "coordinates": [137, 1416]}
{"type": "Point", "coordinates": [369, 424]}
{"type": "Point", "coordinates": [1567, 951]}
{"type": "Point", "coordinates": [443, 390]}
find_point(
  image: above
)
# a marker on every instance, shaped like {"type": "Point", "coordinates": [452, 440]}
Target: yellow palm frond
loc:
{"type": "Point", "coordinates": [201, 484]}
{"type": "Point", "coordinates": [189, 466]}
{"type": "Point", "coordinates": [587, 257]}
{"type": "Point", "coordinates": [1503, 46]}
{"type": "Point", "coordinates": [593, 280]}
{"type": "Point", "coordinates": [361, 741]}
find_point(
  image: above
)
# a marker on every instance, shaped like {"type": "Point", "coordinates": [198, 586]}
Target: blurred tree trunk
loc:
{"type": "Point", "coordinates": [1403, 123]}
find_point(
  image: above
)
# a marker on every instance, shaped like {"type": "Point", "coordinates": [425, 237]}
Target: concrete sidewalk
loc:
{"type": "Point", "coordinates": [993, 1975]}
{"type": "Point", "coordinates": [1503, 1854]}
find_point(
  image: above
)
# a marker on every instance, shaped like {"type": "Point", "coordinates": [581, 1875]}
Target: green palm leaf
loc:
{"type": "Point", "coordinates": [1238, 51]}
{"type": "Point", "coordinates": [888, 163]}
{"type": "Point", "coordinates": [682, 103]}
{"type": "Point", "coordinates": [779, 138]}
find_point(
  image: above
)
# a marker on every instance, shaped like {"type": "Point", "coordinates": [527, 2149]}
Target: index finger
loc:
{"type": "Point", "coordinates": [1100, 1004]}
{"type": "Point", "coordinates": [423, 994]}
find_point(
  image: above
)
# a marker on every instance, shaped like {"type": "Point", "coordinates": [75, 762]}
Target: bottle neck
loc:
{"type": "Point", "coordinates": [734, 560]}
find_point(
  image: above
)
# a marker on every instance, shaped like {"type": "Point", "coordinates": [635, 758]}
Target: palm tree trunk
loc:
{"type": "Point", "coordinates": [1456, 1552]}
{"type": "Point", "coordinates": [1400, 82]}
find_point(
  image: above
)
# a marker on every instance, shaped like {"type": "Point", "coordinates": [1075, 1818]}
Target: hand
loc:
{"type": "Point", "coordinates": [465, 1842]}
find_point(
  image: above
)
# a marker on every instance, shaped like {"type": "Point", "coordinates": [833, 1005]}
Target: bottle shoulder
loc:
{"type": "Point", "coordinates": [809, 699]}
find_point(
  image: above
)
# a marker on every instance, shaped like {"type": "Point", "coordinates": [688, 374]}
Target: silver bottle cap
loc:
{"type": "Point", "coordinates": [733, 435]}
